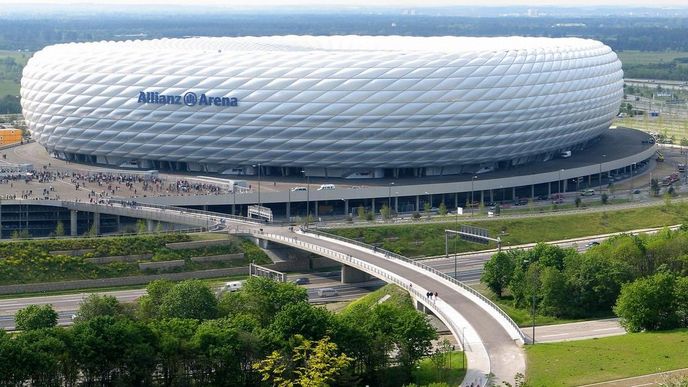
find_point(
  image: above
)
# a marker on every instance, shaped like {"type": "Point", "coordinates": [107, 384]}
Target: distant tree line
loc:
{"type": "Point", "coordinates": [621, 33]}
{"type": "Point", "coordinates": [183, 335]}
{"type": "Point", "coordinates": [605, 278]}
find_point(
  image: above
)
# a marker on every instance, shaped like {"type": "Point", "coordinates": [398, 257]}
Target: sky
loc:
{"type": "Point", "coordinates": [369, 3]}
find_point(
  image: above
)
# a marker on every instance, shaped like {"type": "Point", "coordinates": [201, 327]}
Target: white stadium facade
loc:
{"type": "Point", "coordinates": [333, 106]}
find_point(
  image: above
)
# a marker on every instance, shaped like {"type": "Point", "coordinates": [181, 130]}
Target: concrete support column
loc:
{"type": "Point", "coordinates": [549, 190]}
{"type": "Point", "coordinates": [456, 200]}
{"type": "Point", "coordinates": [513, 193]}
{"type": "Point", "coordinates": [205, 207]}
{"type": "Point", "coordinates": [315, 211]}
{"type": "Point", "coordinates": [482, 197]}
{"type": "Point", "coordinates": [417, 203]}
{"type": "Point", "coordinates": [351, 275]}
{"type": "Point", "coordinates": [72, 222]}
{"type": "Point", "coordinates": [288, 210]}
{"type": "Point", "coordinates": [96, 222]}
{"type": "Point", "coordinates": [491, 195]}
{"type": "Point", "coordinates": [396, 204]}
{"type": "Point", "coordinates": [346, 206]}
{"type": "Point", "coordinates": [532, 191]}
{"type": "Point", "coordinates": [566, 182]}
{"type": "Point", "coordinates": [150, 225]}
{"type": "Point", "coordinates": [373, 205]}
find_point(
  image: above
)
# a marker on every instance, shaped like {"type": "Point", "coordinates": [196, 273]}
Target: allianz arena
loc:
{"type": "Point", "coordinates": [329, 105]}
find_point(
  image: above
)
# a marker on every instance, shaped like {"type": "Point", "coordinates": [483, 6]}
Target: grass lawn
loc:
{"type": "Point", "coordinates": [632, 57]}
{"type": "Point", "coordinates": [397, 296]}
{"type": "Point", "coordinates": [589, 361]}
{"type": "Point", "coordinates": [428, 373]}
{"type": "Point", "coordinates": [427, 239]}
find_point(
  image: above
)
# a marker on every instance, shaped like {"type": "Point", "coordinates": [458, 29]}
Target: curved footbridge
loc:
{"type": "Point", "coordinates": [492, 341]}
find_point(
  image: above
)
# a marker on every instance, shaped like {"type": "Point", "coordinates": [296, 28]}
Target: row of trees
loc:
{"type": "Point", "coordinates": [566, 283]}
{"type": "Point", "coordinates": [182, 334]}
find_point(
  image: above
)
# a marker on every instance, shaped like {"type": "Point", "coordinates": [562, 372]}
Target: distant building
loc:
{"type": "Point", "coordinates": [329, 105]}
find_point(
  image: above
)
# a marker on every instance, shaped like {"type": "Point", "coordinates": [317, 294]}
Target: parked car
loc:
{"type": "Point", "coordinates": [299, 189]}
{"type": "Point", "coordinates": [591, 244]}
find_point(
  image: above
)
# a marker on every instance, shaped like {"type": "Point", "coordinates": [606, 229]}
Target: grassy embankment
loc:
{"type": "Point", "coordinates": [427, 239]}
{"type": "Point", "coordinates": [590, 361]}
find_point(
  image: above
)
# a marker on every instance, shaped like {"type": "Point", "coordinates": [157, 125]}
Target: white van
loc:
{"type": "Point", "coordinates": [326, 187]}
{"type": "Point", "coordinates": [232, 286]}
{"type": "Point", "coordinates": [588, 192]}
{"type": "Point", "coordinates": [327, 292]}
{"type": "Point", "coordinates": [299, 189]}
{"type": "Point", "coordinates": [565, 154]}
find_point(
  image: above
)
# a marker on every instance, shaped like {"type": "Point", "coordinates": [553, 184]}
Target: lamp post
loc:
{"type": "Point", "coordinates": [308, 196]}
{"type": "Point", "coordinates": [389, 199]}
{"type": "Point", "coordinates": [533, 303]}
{"type": "Point", "coordinates": [602, 161]}
{"type": "Point", "coordinates": [259, 179]}
{"type": "Point", "coordinates": [472, 182]}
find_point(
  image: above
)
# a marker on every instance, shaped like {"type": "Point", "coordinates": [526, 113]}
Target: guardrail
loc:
{"type": "Point", "coordinates": [370, 269]}
{"type": "Point", "coordinates": [427, 268]}
{"type": "Point", "coordinates": [126, 203]}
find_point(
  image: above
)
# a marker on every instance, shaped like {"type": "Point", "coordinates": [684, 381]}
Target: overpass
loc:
{"type": "Point", "coordinates": [490, 338]}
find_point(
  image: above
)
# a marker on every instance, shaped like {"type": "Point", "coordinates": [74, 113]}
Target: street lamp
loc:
{"type": "Point", "coordinates": [602, 161]}
{"type": "Point", "coordinates": [472, 182]}
{"type": "Point", "coordinates": [525, 261]}
{"type": "Point", "coordinates": [259, 178]}
{"type": "Point", "coordinates": [308, 196]}
{"type": "Point", "coordinates": [389, 199]}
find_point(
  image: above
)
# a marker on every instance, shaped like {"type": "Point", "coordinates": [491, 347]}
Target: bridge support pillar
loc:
{"type": "Point", "coordinates": [513, 193]}
{"type": "Point", "coordinates": [482, 197]}
{"type": "Point", "coordinates": [96, 222]}
{"type": "Point", "coordinates": [150, 226]}
{"type": "Point", "coordinates": [396, 204]}
{"type": "Point", "coordinates": [289, 210]}
{"type": "Point", "coordinates": [351, 275]}
{"type": "Point", "coordinates": [315, 210]}
{"type": "Point", "coordinates": [346, 207]}
{"type": "Point", "coordinates": [72, 222]}
{"type": "Point", "coordinates": [549, 190]}
{"type": "Point", "coordinates": [372, 204]}
{"type": "Point", "coordinates": [532, 191]}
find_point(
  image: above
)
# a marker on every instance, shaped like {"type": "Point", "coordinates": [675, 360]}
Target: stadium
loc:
{"type": "Point", "coordinates": [337, 106]}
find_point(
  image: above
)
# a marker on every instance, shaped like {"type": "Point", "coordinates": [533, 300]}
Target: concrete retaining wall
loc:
{"type": "Point", "coordinates": [161, 264]}
{"type": "Point", "coordinates": [71, 253]}
{"type": "Point", "coordinates": [198, 244]}
{"type": "Point", "coordinates": [218, 258]}
{"type": "Point", "coordinates": [119, 258]}
{"type": "Point", "coordinates": [321, 263]}
{"type": "Point", "coordinates": [121, 281]}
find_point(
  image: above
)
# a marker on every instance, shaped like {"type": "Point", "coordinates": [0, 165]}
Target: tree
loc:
{"type": "Point", "coordinates": [262, 298]}
{"type": "Point", "coordinates": [604, 198]}
{"type": "Point", "coordinates": [189, 299]}
{"type": "Point", "coordinates": [59, 229]}
{"type": "Point", "coordinates": [385, 212]}
{"type": "Point", "coordinates": [681, 300]}
{"type": "Point", "coordinates": [35, 317]}
{"type": "Point", "coordinates": [149, 303]}
{"type": "Point", "coordinates": [46, 358]}
{"type": "Point", "coordinates": [654, 186]}
{"type": "Point", "coordinates": [497, 272]}
{"type": "Point", "coordinates": [217, 343]}
{"type": "Point", "coordinates": [442, 210]}
{"type": "Point", "coordinates": [303, 319]}
{"type": "Point", "coordinates": [361, 212]}
{"type": "Point", "coordinates": [648, 304]}
{"type": "Point", "coordinates": [577, 202]}
{"type": "Point", "coordinates": [141, 227]}
{"type": "Point", "coordinates": [555, 293]}
{"type": "Point", "coordinates": [426, 208]}
{"type": "Point", "coordinates": [175, 348]}
{"type": "Point", "coordinates": [311, 364]}
{"type": "Point", "coordinates": [96, 305]}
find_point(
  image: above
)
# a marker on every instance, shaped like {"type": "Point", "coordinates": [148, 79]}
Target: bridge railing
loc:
{"type": "Point", "coordinates": [371, 269]}
{"type": "Point", "coordinates": [188, 210]}
{"type": "Point", "coordinates": [427, 268]}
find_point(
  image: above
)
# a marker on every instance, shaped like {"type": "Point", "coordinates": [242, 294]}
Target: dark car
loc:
{"type": "Point", "coordinates": [301, 281]}
{"type": "Point", "coordinates": [592, 243]}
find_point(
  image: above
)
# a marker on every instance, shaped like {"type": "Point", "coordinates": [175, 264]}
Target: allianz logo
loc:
{"type": "Point", "coordinates": [189, 99]}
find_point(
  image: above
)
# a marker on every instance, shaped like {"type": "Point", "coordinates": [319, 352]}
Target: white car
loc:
{"type": "Point", "coordinates": [299, 189]}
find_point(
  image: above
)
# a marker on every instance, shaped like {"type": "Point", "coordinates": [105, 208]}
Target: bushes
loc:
{"type": "Point", "coordinates": [571, 284]}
